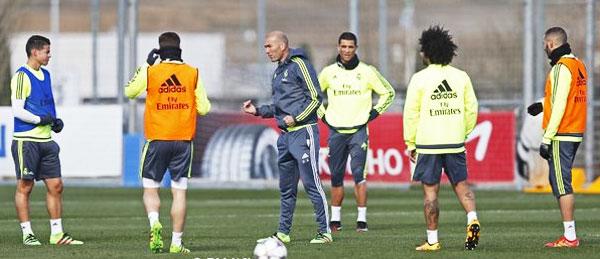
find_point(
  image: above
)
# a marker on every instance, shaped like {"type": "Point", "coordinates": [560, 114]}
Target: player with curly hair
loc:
{"type": "Point", "coordinates": [439, 112]}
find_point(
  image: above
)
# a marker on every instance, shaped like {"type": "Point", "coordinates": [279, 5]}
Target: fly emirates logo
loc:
{"type": "Point", "coordinates": [442, 93]}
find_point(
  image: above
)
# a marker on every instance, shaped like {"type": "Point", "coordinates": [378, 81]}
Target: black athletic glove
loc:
{"type": "Point", "coordinates": [535, 108]}
{"type": "Point", "coordinates": [57, 125]}
{"type": "Point", "coordinates": [373, 114]}
{"type": "Point", "coordinates": [545, 151]}
{"type": "Point", "coordinates": [152, 56]}
{"type": "Point", "coordinates": [46, 120]}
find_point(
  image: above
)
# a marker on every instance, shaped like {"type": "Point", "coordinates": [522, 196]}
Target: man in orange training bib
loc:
{"type": "Point", "coordinates": [174, 97]}
{"type": "Point", "coordinates": [564, 121]}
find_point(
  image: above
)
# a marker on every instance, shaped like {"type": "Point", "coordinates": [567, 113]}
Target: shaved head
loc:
{"type": "Point", "coordinates": [557, 35]}
{"type": "Point", "coordinates": [278, 36]}
{"type": "Point", "coordinates": [554, 38]}
{"type": "Point", "coordinates": [276, 46]}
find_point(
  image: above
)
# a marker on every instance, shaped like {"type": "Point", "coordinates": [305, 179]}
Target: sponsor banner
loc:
{"type": "Point", "coordinates": [93, 138]}
{"type": "Point", "coordinates": [490, 150]}
{"type": "Point", "coordinates": [90, 143]}
{"type": "Point", "coordinates": [490, 147]}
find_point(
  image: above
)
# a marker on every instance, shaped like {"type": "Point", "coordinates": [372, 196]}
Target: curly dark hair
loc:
{"type": "Point", "coordinates": [437, 46]}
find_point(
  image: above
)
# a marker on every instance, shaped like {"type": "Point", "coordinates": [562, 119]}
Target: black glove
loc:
{"type": "Point", "coordinates": [152, 56]}
{"type": "Point", "coordinates": [535, 108]}
{"type": "Point", "coordinates": [46, 120]}
{"type": "Point", "coordinates": [57, 125]}
{"type": "Point", "coordinates": [545, 151]}
{"type": "Point", "coordinates": [373, 114]}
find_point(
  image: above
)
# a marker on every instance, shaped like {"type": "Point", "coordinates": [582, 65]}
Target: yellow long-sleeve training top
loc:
{"type": "Point", "coordinates": [20, 89]}
{"type": "Point", "coordinates": [349, 95]}
{"type": "Point", "coordinates": [440, 110]}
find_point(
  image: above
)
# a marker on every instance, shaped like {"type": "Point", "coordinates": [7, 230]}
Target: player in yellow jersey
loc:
{"type": "Point", "coordinates": [349, 85]}
{"type": "Point", "coordinates": [439, 112]}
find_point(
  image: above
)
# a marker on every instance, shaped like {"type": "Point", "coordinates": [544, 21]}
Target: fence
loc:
{"type": "Point", "coordinates": [491, 35]}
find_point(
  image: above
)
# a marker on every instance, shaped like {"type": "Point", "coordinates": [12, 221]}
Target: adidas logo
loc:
{"type": "Point", "coordinates": [171, 85]}
{"type": "Point", "coordinates": [581, 81]}
{"type": "Point", "coordinates": [27, 172]}
{"type": "Point", "coordinates": [305, 158]}
{"type": "Point", "coordinates": [443, 91]}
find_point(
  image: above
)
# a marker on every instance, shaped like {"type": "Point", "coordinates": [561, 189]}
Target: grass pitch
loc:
{"type": "Point", "coordinates": [226, 223]}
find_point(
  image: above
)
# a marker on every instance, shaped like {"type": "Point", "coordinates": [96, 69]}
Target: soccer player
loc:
{"type": "Point", "coordinates": [564, 124]}
{"type": "Point", "coordinates": [34, 152]}
{"type": "Point", "coordinates": [349, 84]}
{"type": "Point", "coordinates": [440, 111]}
{"type": "Point", "coordinates": [174, 96]}
{"type": "Point", "coordinates": [296, 98]}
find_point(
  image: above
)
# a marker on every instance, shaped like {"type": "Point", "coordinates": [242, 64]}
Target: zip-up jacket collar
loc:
{"type": "Point", "coordinates": [295, 91]}
{"type": "Point", "coordinates": [293, 53]}
{"type": "Point", "coordinates": [352, 63]}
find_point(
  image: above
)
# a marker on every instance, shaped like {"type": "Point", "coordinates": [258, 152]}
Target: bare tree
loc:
{"type": "Point", "coordinates": [7, 10]}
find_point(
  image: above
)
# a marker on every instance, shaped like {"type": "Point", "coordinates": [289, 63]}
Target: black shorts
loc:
{"type": "Point", "coordinates": [160, 155]}
{"type": "Point", "coordinates": [340, 146]}
{"type": "Point", "coordinates": [560, 164]}
{"type": "Point", "coordinates": [36, 160]}
{"type": "Point", "coordinates": [428, 169]}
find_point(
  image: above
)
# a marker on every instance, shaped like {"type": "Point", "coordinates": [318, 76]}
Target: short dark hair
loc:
{"type": "Point", "coordinates": [348, 36]}
{"type": "Point", "coordinates": [437, 46]}
{"type": "Point", "coordinates": [36, 42]}
{"type": "Point", "coordinates": [558, 31]}
{"type": "Point", "coordinates": [168, 39]}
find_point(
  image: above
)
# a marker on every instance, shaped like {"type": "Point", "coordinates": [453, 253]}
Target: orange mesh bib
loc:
{"type": "Point", "coordinates": [171, 102]}
{"type": "Point", "coordinates": [573, 121]}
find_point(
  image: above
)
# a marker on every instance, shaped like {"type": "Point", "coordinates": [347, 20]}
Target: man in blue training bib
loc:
{"type": "Point", "coordinates": [34, 152]}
